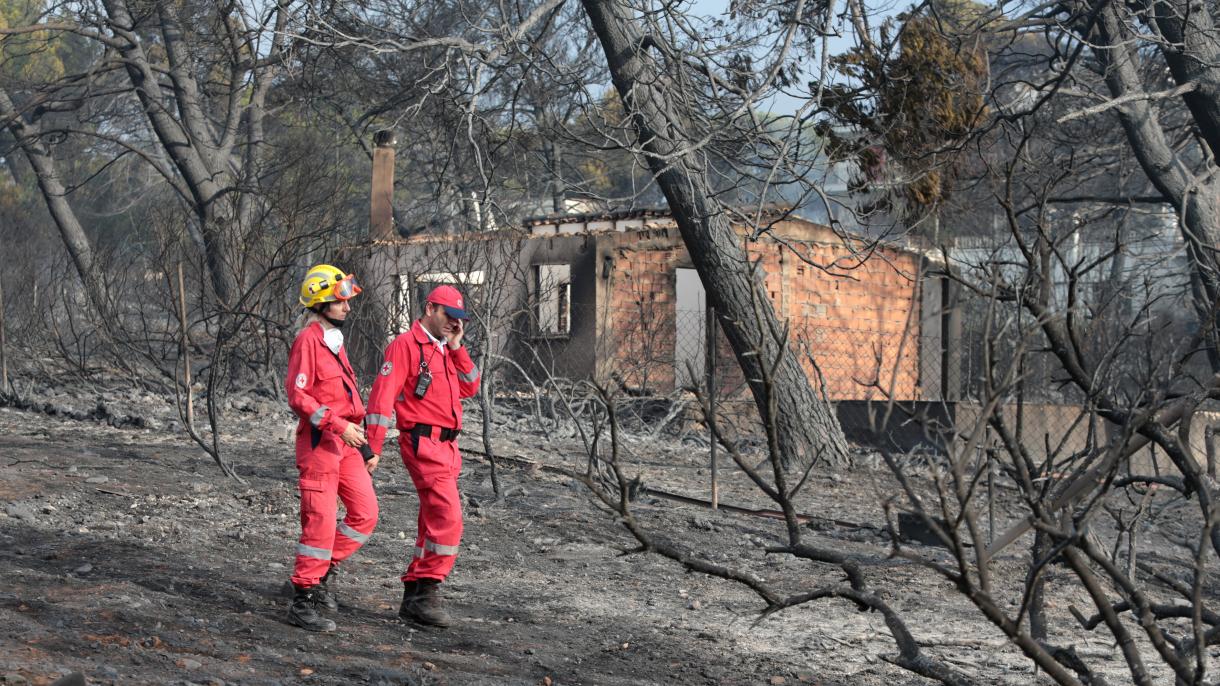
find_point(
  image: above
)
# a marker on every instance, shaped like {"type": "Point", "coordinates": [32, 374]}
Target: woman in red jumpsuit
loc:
{"type": "Point", "coordinates": [324, 394]}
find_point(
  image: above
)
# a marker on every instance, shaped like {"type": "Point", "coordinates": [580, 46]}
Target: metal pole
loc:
{"type": "Point", "coordinates": [990, 494]}
{"type": "Point", "coordinates": [3, 346]}
{"type": "Point", "coordinates": [186, 349]}
{"type": "Point", "coordinates": [709, 354]}
{"type": "Point", "coordinates": [989, 446]}
{"type": "Point", "coordinates": [1209, 444]}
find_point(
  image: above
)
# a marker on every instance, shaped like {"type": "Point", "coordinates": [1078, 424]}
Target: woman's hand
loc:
{"type": "Point", "coordinates": [353, 435]}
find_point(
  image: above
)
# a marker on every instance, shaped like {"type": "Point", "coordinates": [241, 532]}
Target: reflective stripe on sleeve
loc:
{"type": "Point", "coordinates": [310, 551]}
{"type": "Point", "coordinates": [470, 376]}
{"type": "Point", "coordinates": [353, 534]}
{"type": "Point", "coordinates": [316, 417]}
{"type": "Point", "coordinates": [379, 420]}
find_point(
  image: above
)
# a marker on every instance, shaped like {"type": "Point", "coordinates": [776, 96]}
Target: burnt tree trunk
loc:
{"type": "Point", "coordinates": [217, 157]}
{"type": "Point", "coordinates": [28, 135]}
{"type": "Point", "coordinates": [1194, 193]}
{"type": "Point", "coordinates": [807, 428]}
{"type": "Point", "coordinates": [1043, 546]}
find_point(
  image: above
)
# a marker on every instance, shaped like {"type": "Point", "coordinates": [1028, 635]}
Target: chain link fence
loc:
{"type": "Point", "coordinates": [911, 389]}
{"type": "Point", "coordinates": [911, 364]}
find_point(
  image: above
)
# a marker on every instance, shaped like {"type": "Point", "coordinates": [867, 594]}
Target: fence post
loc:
{"type": "Point", "coordinates": [1209, 444]}
{"type": "Point", "coordinates": [990, 452]}
{"type": "Point", "coordinates": [186, 350]}
{"type": "Point", "coordinates": [3, 346]}
{"type": "Point", "coordinates": [709, 356]}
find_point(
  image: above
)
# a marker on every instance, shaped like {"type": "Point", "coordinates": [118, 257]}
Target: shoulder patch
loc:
{"type": "Point", "coordinates": [301, 380]}
{"type": "Point", "coordinates": [387, 368]}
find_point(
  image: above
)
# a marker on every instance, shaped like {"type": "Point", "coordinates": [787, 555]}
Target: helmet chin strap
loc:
{"type": "Point", "coordinates": [321, 311]}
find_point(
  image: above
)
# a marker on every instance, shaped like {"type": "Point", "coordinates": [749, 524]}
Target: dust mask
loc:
{"type": "Point", "coordinates": [333, 339]}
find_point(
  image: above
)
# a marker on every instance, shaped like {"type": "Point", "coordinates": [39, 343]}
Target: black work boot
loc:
{"type": "Point", "coordinates": [304, 611]}
{"type": "Point", "coordinates": [322, 594]}
{"type": "Point", "coordinates": [421, 603]}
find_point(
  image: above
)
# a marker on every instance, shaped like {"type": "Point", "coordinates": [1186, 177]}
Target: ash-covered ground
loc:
{"type": "Point", "coordinates": [128, 557]}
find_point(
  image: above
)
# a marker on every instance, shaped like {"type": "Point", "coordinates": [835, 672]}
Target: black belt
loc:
{"type": "Point", "coordinates": [420, 430]}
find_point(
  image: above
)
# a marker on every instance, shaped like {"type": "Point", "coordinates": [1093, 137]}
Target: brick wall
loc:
{"type": "Point", "coordinates": [857, 315]}
{"type": "Point", "coordinates": [846, 311]}
{"type": "Point", "coordinates": [639, 335]}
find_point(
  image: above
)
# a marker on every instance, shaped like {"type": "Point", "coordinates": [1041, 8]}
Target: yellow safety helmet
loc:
{"type": "Point", "coordinates": [324, 284]}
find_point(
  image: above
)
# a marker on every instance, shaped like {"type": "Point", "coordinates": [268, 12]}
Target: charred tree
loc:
{"type": "Point", "coordinates": [29, 138]}
{"type": "Point", "coordinates": [807, 429]}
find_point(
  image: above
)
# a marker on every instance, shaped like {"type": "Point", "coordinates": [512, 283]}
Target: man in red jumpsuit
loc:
{"type": "Point", "coordinates": [324, 394]}
{"type": "Point", "coordinates": [425, 375]}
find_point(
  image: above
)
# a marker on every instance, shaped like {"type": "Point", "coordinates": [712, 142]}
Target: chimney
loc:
{"type": "Point", "coordinates": [381, 220]}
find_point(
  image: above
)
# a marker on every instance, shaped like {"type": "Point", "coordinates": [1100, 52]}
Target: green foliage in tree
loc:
{"type": "Point", "coordinates": [907, 101]}
{"type": "Point", "coordinates": [29, 57]}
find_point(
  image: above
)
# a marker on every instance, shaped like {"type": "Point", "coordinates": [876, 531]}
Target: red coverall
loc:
{"type": "Point", "coordinates": [430, 455]}
{"type": "Point", "coordinates": [322, 391]}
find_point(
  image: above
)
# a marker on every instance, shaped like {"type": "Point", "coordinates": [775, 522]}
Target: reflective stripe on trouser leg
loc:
{"type": "Point", "coordinates": [315, 549]}
{"type": "Point", "coordinates": [440, 518]}
{"type": "Point", "coordinates": [435, 548]}
{"type": "Point", "coordinates": [440, 528]}
{"type": "Point", "coordinates": [315, 553]}
{"type": "Point", "coordinates": [360, 501]}
{"type": "Point", "coordinates": [345, 529]}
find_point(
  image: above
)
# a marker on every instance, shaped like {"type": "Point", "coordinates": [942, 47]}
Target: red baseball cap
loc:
{"type": "Point", "coordinates": [449, 298]}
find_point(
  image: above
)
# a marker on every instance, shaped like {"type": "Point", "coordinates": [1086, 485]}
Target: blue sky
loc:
{"type": "Point", "coordinates": [882, 9]}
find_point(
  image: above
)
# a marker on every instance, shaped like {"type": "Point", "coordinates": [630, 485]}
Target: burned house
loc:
{"type": "Point", "coordinates": [614, 297]}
